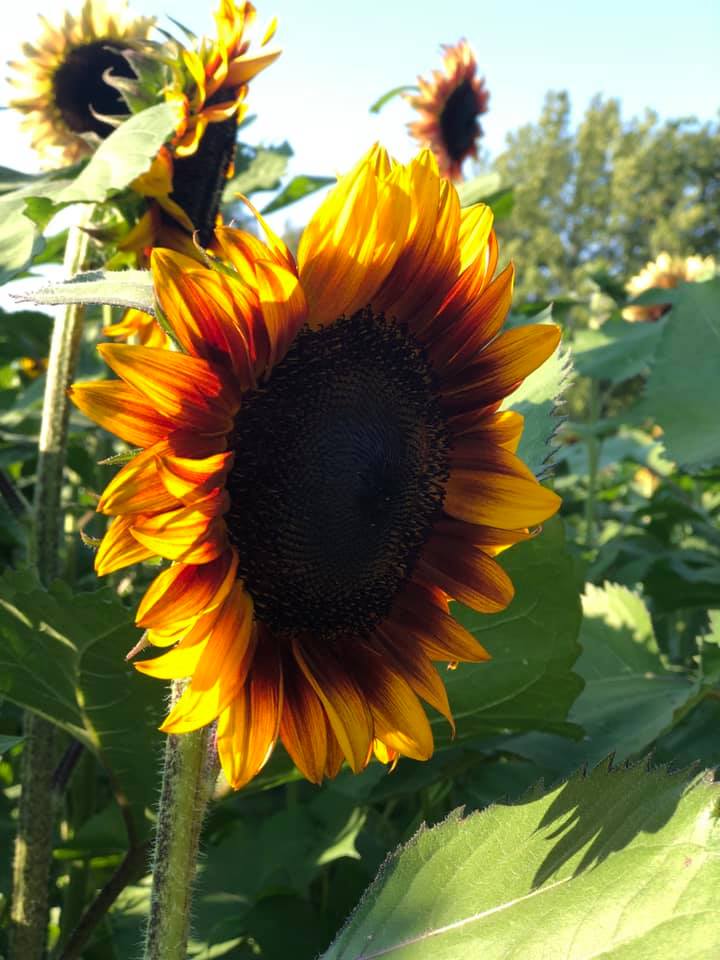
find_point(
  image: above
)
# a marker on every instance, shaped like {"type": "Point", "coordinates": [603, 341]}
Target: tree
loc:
{"type": "Point", "coordinates": [606, 197]}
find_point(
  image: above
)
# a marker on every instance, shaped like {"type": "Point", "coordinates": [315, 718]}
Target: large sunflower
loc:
{"type": "Point", "coordinates": [324, 466]}
{"type": "Point", "coordinates": [449, 104]}
{"type": "Point", "coordinates": [61, 83]}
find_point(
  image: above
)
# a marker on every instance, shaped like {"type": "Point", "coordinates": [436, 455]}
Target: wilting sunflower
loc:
{"type": "Point", "coordinates": [62, 85]}
{"type": "Point", "coordinates": [664, 273]}
{"type": "Point", "coordinates": [185, 184]}
{"type": "Point", "coordinates": [209, 85]}
{"type": "Point", "coordinates": [449, 104]}
{"type": "Point", "coordinates": [325, 465]}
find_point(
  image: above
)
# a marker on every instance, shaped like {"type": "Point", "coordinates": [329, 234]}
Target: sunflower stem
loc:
{"type": "Point", "coordinates": [38, 808]}
{"type": "Point", "coordinates": [189, 774]}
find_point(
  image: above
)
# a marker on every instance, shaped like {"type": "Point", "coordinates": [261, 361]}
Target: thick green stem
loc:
{"type": "Point", "coordinates": [189, 774]}
{"type": "Point", "coordinates": [33, 845]}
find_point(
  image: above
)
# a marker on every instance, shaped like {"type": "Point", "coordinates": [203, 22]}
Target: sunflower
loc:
{"type": "Point", "coordinates": [325, 464]}
{"type": "Point", "coordinates": [62, 85]}
{"type": "Point", "coordinates": [449, 105]}
{"type": "Point", "coordinates": [185, 183]}
{"type": "Point", "coordinates": [209, 86]}
{"type": "Point", "coordinates": [664, 273]}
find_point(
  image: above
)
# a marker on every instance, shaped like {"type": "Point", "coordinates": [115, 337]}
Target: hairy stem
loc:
{"type": "Point", "coordinates": [189, 773]}
{"type": "Point", "coordinates": [33, 845]}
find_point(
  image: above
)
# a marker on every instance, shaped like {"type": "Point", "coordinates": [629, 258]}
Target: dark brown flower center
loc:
{"type": "Point", "coordinates": [340, 470]}
{"type": "Point", "coordinates": [199, 180]}
{"type": "Point", "coordinates": [458, 121]}
{"type": "Point", "coordinates": [80, 89]}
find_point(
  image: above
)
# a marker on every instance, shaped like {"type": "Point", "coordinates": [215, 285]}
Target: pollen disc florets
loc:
{"type": "Point", "coordinates": [341, 460]}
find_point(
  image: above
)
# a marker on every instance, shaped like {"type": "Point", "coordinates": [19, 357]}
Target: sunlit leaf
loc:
{"type": "Point", "coordinates": [120, 288]}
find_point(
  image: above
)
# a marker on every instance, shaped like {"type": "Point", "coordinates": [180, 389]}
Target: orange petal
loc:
{"type": "Point", "coordinates": [189, 479]}
{"type": "Point", "coordinates": [500, 493]}
{"type": "Point", "coordinates": [193, 534]}
{"type": "Point", "coordinates": [463, 329]}
{"type": "Point", "coordinates": [399, 720]}
{"type": "Point", "coordinates": [121, 410]}
{"type": "Point", "coordinates": [500, 367]}
{"type": "Point", "coordinates": [466, 573]}
{"type": "Point", "coordinates": [342, 699]}
{"type": "Point", "coordinates": [283, 306]}
{"type": "Point", "coordinates": [183, 388]}
{"type": "Point", "coordinates": [184, 590]}
{"type": "Point", "coordinates": [436, 631]}
{"type": "Point", "coordinates": [119, 548]}
{"type": "Point", "coordinates": [207, 310]}
{"type": "Point", "coordinates": [411, 662]}
{"type": "Point", "coordinates": [303, 726]}
{"type": "Point", "coordinates": [137, 487]}
{"type": "Point", "coordinates": [504, 429]}
{"type": "Point", "coordinates": [249, 728]}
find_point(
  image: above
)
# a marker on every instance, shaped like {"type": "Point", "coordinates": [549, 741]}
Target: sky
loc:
{"type": "Point", "coordinates": [338, 57]}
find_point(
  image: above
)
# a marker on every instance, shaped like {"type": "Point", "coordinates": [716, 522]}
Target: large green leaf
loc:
{"type": "Point", "coordinates": [617, 351]}
{"type": "Point", "coordinates": [529, 684]}
{"type": "Point", "coordinates": [622, 865]}
{"type": "Point", "coordinates": [124, 155]}
{"type": "Point", "coordinates": [683, 390]}
{"type": "Point", "coordinates": [479, 189]}
{"type": "Point", "coordinates": [629, 699]}
{"type": "Point", "coordinates": [62, 656]}
{"type": "Point", "coordinates": [120, 288]}
{"type": "Point", "coordinates": [20, 240]}
{"type": "Point", "coordinates": [537, 399]}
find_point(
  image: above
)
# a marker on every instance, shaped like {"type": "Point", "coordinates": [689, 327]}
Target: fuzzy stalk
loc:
{"type": "Point", "coordinates": [189, 773]}
{"type": "Point", "coordinates": [37, 811]}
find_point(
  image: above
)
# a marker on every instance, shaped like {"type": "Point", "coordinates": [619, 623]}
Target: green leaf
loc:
{"type": "Point", "coordinates": [617, 351]}
{"type": "Point", "coordinates": [537, 399]}
{"type": "Point", "coordinates": [124, 155]}
{"type": "Point", "coordinates": [120, 288]}
{"type": "Point", "coordinates": [480, 189]}
{"type": "Point", "coordinates": [683, 390]}
{"type": "Point", "coordinates": [501, 202]}
{"type": "Point", "coordinates": [529, 683]}
{"type": "Point", "coordinates": [629, 699]}
{"type": "Point", "coordinates": [622, 864]}
{"type": "Point", "coordinates": [263, 169]}
{"type": "Point", "coordinates": [299, 187]}
{"type": "Point", "coordinates": [7, 743]}
{"type": "Point", "coordinates": [62, 656]}
{"type": "Point", "coordinates": [390, 95]}
{"type": "Point", "coordinates": [24, 334]}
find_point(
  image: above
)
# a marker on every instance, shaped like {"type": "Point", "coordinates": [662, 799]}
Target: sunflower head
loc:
{"type": "Point", "coordinates": [324, 466]}
{"type": "Point", "coordinates": [449, 104]}
{"type": "Point", "coordinates": [62, 82]}
{"type": "Point", "coordinates": [665, 273]}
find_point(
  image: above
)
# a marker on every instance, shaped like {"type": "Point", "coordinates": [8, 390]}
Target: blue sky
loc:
{"type": "Point", "coordinates": [340, 56]}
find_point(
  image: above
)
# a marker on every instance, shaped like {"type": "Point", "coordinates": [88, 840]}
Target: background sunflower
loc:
{"type": "Point", "coordinates": [61, 80]}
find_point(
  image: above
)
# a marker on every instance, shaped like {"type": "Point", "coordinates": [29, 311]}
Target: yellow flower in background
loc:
{"type": "Point", "coordinates": [324, 466]}
{"type": "Point", "coordinates": [449, 104]}
{"type": "Point", "coordinates": [61, 85]}
{"type": "Point", "coordinates": [665, 273]}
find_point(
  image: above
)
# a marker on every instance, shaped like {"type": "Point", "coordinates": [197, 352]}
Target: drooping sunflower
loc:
{"type": "Point", "coordinates": [449, 104]}
{"type": "Point", "coordinates": [324, 465]}
{"type": "Point", "coordinates": [61, 81]}
{"type": "Point", "coordinates": [185, 183]}
{"type": "Point", "coordinates": [664, 273]}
